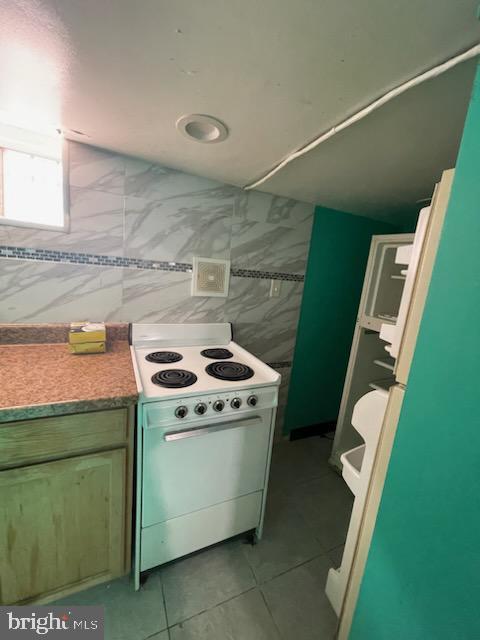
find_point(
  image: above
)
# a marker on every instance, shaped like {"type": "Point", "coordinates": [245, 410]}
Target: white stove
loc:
{"type": "Point", "coordinates": [206, 417]}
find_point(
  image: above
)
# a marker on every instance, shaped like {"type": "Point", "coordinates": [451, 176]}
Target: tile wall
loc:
{"type": "Point", "coordinates": [134, 228]}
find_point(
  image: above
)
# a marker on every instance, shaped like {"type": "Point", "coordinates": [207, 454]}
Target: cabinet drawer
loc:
{"type": "Point", "coordinates": [60, 436]}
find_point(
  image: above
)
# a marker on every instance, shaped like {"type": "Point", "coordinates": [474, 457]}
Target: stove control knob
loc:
{"type": "Point", "coordinates": [181, 412]}
{"type": "Point", "coordinates": [252, 401]}
{"type": "Point", "coordinates": [218, 405]}
{"type": "Point", "coordinates": [236, 403]}
{"type": "Point", "coordinates": [200, 408]}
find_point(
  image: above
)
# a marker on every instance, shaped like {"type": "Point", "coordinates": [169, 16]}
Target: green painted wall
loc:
{"type": "Point", "coordinates": [422, 579]}
{"type": "Point", "coordinates": [336, 267]}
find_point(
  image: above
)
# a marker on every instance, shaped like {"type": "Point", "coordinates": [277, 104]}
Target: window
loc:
{"type": "Point", "coordinates": [31, 185]}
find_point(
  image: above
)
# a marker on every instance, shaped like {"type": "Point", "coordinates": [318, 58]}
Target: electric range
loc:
{"type": "Point", "coordinates": [205, 423]}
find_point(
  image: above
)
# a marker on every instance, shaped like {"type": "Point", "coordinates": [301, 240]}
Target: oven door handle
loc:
{"type": "Point", "coordinates": [212, 428]}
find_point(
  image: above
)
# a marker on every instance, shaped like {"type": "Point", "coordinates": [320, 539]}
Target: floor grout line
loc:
{"type": "Point", "coordinates": [245, 556]}
{"type": "Point", "coordinates": [164, 604]}
{"type": "Point", "coordinates": [280, 635]}
{"type": "Point", "coordinates": [214, 606]}
{"type": "Point", "coordinates": [297, 566]}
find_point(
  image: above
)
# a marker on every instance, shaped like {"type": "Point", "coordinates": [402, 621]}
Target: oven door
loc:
{"type": "Point", "coordinates": [203, 463]}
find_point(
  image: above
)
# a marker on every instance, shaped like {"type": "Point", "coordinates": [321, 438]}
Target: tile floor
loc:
{"type": "Point", "coordinates": [234, 591]}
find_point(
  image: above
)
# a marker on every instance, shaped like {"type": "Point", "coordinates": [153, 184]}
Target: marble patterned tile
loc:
{"type": "Point", "coordinates": [285, 372]}
{"type": "Point", "coordinates": [270, 341]}
{"type": "Point", "coordinates": [245, 617]}
{"type": "Point", "coordinates": [96, 226]}
{"type": "Point", "coordinates": [278, 435]}
{"type": "Point", "coordinates": [270, 247]}
{"type": "Point", "coordinates": [249, 301]}
{"type": "Point", "coordinates": [95, 169]}
{"type": "Point", "coordinates": [265, 207]}
{"type": "Point", "coordinates": [154, 182]}
{"type": "Point", "coordinates": [176, 229]}
{"type": "Point", "coordinates": [96, 222]}
{"type": "Point", "coordinates": [52, 292]}
{"type": "Point", "coordinates": [164, 296]}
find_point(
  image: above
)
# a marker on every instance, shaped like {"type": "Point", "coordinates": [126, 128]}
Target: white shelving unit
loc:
{"type": "Point", "coordinates": [370, 366]}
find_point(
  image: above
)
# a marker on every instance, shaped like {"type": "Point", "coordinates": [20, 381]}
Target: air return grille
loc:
{"type": "Point", "coordinates": [210, 277]}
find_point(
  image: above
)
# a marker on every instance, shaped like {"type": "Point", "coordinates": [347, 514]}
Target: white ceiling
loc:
{"type": "Point", "coordinates": [277, 72]}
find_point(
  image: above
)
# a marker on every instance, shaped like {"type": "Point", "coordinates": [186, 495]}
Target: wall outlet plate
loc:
{"type": "Point", "coordinates": [275, 286]}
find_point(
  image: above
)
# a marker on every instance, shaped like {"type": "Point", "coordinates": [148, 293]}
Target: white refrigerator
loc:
{"type": "Point", "coordinates": [375, 415]}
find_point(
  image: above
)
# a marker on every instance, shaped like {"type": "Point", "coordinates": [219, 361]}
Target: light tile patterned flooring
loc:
{"type": "Point", "coordinates": [274, 590]}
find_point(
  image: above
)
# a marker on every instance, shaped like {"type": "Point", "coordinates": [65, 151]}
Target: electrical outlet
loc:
{"type": "Point", "coordinates": [275, 288]}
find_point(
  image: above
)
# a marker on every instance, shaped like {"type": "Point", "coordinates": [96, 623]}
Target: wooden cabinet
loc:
{"type": "Point", "coordinates": [64, 523]}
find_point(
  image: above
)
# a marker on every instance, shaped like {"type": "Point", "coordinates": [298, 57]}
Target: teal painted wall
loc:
{"type": "Point", "coordinates": [422, 579]}
{"type": "Point", "coordinates": [333, 283]}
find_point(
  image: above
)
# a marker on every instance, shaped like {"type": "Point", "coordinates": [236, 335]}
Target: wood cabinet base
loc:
{"type": "Point", "coordinates": [64, 524]}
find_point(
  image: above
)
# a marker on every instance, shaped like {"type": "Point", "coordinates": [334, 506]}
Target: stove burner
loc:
{"type": "Point", "coordinates": [174, 378]}
{"type": "Point", "coordinates": [163, 357]}
{"type": "Point", "coordinates": [217, 354]}
{"type": "Point", "coordinates": [229, 371]}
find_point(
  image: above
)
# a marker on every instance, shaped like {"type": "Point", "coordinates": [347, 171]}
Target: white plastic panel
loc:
{"type": "Point", "coordinates": [182, 334]}
{"type": "Point", "coordinates": [368, 417]}
{"type": "Point", "coordinates": [384, 281]}
{"type": "Point", "coordinates": [404, 254]}
{"type": "Point", "coordinates": [393, 335]}
{"type": "Point", "coordinates": [352, 464]}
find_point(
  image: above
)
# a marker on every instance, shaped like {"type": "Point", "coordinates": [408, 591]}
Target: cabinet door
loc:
{"type": "Point", "coordinates": [61, 524]}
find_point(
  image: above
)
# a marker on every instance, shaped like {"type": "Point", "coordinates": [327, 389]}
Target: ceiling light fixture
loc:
{"type": "Point", "coordinates": [202, 128]}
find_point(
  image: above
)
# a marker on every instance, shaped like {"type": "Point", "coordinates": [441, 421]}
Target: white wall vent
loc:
{"type": "Point", "coordinates": [210, 277]}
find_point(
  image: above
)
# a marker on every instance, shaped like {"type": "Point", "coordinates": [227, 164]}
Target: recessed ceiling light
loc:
{"type": "Point", "coordinates": [202, 128]}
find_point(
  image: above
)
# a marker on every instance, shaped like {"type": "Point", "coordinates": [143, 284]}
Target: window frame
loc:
{"type": "Point", "coordinates": [65, 228]}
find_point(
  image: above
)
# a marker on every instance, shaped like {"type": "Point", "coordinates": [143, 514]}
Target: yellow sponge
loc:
{"type": "Point", "coordinates": [87, 347]}
{"type": "Point", "coordinates": [81, 332]}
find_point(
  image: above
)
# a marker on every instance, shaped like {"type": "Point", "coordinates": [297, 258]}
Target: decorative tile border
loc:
{"type": "Point", "coordinates": [71, 257]}
{"type": "Point", "coordinates": [269, 275]}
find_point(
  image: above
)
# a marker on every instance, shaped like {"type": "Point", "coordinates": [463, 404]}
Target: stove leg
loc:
{"type": "Point", "coordinates": [251, 538]}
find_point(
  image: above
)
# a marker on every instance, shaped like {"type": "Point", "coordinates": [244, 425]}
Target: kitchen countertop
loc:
{"type": "Point", "coordinates": [38, 380]}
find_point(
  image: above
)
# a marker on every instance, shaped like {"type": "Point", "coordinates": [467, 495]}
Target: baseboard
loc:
{"type": "Point", "coordinates": [319, 429]}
